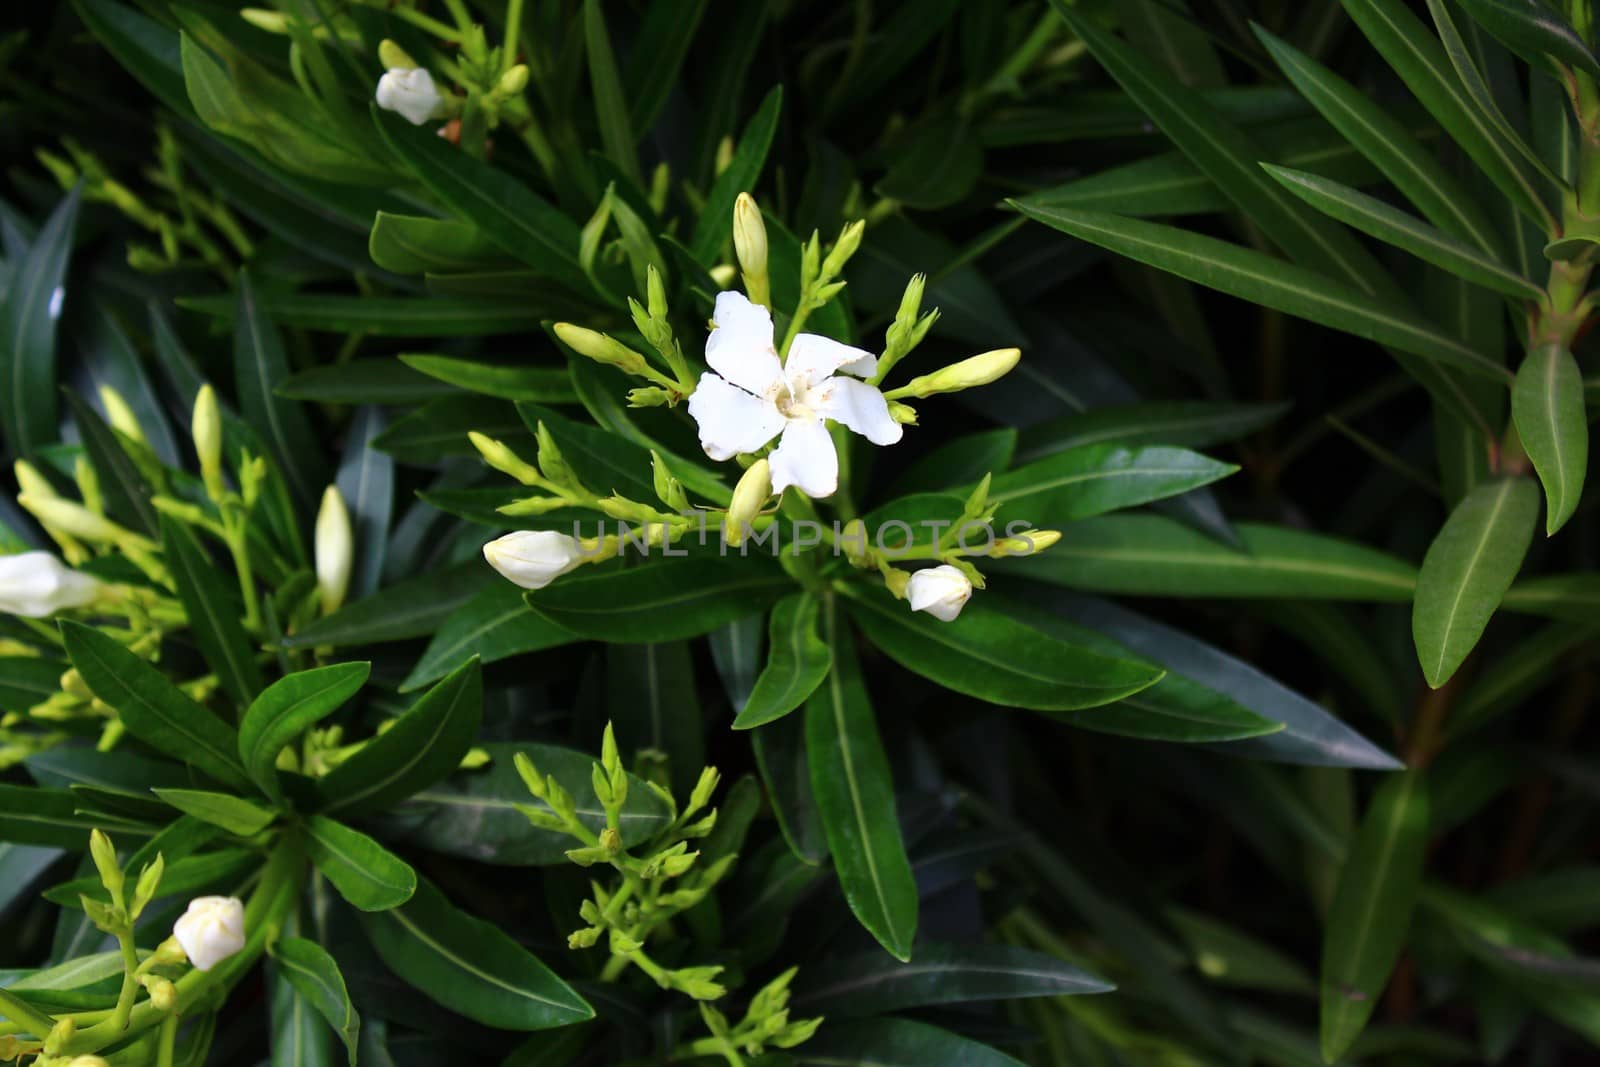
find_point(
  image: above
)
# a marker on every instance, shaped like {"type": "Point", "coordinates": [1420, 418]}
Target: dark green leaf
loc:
{"type": "Point", "coordinates": [362, 381]}
{"type": "Point", "coordinates": [314, 974]}
{"type": "Point", "coordinates": [1547, 404]}
{"type": "Point", "coordinates": [286, 709]}
{"type": "Point", "coordinates": [1092, 479]}
{"type": "Point", "coordinates": [937, 165]}
{"type": "Point", "coordinates": [213, 613]}
{"type": "Point", "coordinates": [230, 813]}
{"type": "Point", "coordinates": [365, 873]}
{"type": "Point", "coordinates": [1533, 31]}
{"type": "Point", "coordinates": [518, 381]}
{"type": "Point", "coordinates": [494, 625]}
{"type": "Point", "coordinates": [28, 318]}
{"type": "Point", "coordinates": [50, 817]}
{"type": "Point", "coordinates": [716, 218]}
{"type": "Point", "coordinates": [366, 481]}
{"type": "Point", "coordinates": [797, 662]}
{"type": "Point", "coordinates": [260, 365]}
{"type": "Point", "coordinates": [659, 600]}
{"type": "Point", "coordinates": [414, 607]}
{"type": "Point", "coordinates": [896, 1043]}
{"type": "Point", "coordinates": [410, 244]}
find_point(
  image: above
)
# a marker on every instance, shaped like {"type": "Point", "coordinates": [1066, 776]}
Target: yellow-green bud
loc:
{"type": "Point", "coordinates": [163, 994]}
{"type": "Point", "coordinates": [105, 861]}
{"type": "Point", "coordinates": [601, 348]}
{"type": "Point", "coordinates": [904, 414]}
{"type": "Point", "coordinates": [499, 456]}
{"type": "Point", "coordinates": [749, 496]}
{"type": "Point", "coordinates": [724, 153]}
{"type": "Point", "coordinates": [513, 81]}
{"type": "Point", "coordinates": [723, 274]}
{"type": "Point", "coordinates": [969, 373]}
{"type": "Point", "coordinates": [206, 428]}
{"type": "Point", "coordinates": [120, 415]}
{"type": "Point", "coordinates": [31, 482]}
{"type": "Point", "coordinates": [60, 1034]}
{"type": "Point", "coordinates": [271, 21]}
{"type": "Point", "coordinates": [750, 246]}
{"type": "Point", "coordinates": [391, 55]}
{"type": "Point", "coordinates": [72, 684]}
{"type": "Point", "coordinates": [845, 247]}
{"type": "Point", "coordinates": [650, 396]}
{"type": "Point", "coordinates": [76, 520]}
{"type": "Point", "coordinates": [1024, 544]}
{"type": "Point", "coordinates": [897, 581]}
{"type": "Point", "coordinates": [655, 293]}
{"type": "Point", "coordinates": [335, 549]}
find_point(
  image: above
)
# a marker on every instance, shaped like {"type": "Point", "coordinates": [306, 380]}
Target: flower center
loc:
{"type": "Point", "coordinates": [794, 403]}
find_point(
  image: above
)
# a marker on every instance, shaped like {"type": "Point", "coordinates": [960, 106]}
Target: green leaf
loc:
{"type": "Point", "coordinates": [1229, 157]}
{"type": "Point", "coordinates": [990, 655]}
{"type": "Point", "coordinates": [665, 34]}
{"type": "Point", "coordinates": [144, 47]}
{"type": "Point", "coordinates": [298, 1036]}
{"type": "Point", "coordinates": [780, 751]}
{"type": "Point", "coordinates": [1093, 479]}
{"type": "Point", "coordinates": [1533, 31]}
{"type": "Point", "coordinates": [716, 218]}
{"type": "Point", "coordinates": [797, 663]}
{"type": "Point", "coordinates": [1372, 907]}
{"type": "Point", "coordinates": [233, 814]}
{"type": "Point", "coordinates": [1151, 555]}
{"type": "Point", "coordinates": [518, 381]}
{"type": "Point", "coordinates": [28, 680]}
{"type": "Point", "coordinates": [286, 709]}
{"type": "Point", "coordinates": [504, 210]}
{"type": "Point", "coordinates": [412, 244]}
{"type": "Point", "coordinates": [28, 318]}
{"type": "Point", "coordinates": [180, 877]}
{"type": "Point", "coordinates": [1573, 597]}
{"type": "Point", "coordinates": [937, 165]}
{"type": "Point", "coordinates": [1230, 957]}
{"type": "Point", "coordinates": [894, 1042]}
{"type": "Point", "coordinates": [152, 708]}
{"type": "Point", "coordinates": [494, 625]}
{"type": "Point", "coordinates": [441, 427]}
{"type": "Point", "coordinates": [653, 702]}
{"type": "Point", "coordinates": [50, 817]}
{"type": "Point", "coordinates": [1188, 423]}
{"type": "Point", "coordinates": [1420, 60]}
{"type": "Point", "coordinates": [397, 316]}
{"type": "Point", "coordinates": [665, 600]}
{"type": "Point", "coordinates": [1372, 216]}
{"type": "Point", "coordinates": [1391, 147]}
{"type": "Point", "coordinates": [127, 493]}
{"type": "Point", "coordinates": [365, 873]}
{"type": "Point", "coordinates": [870, 984]}
{"type": "Point", "coordinates": [314, 974]}
{"type": "Point", "coordinates": [1547, 405]}
{"type": "Point", "coordinates": [478, 814]}
{"type": "Point", "coordinates": [470, 967]}
{"type": "Point", "coordinates": [421, 747]}
{"type": "Point", "coordinates": [414, 607]}
{"type": "Point", "coordinates": [855, 794]}
{"type": "Point", "coordinates": [1264, 280]}
{"type": "Point", "coordinates": [960, 461]}
{"type": "Point", "coordinates": [362, 381]}
{"type": "Point", "coordinates": [213, 613]}
{"type": "Point", "coordinates": [603, 461]}
{"type": "Point", "coordinates": [366, 481]}
{"type": "Point", "coordinates": [260, 365]}
{"type": "Point", "coordinates": [1468, 568]}
{"type": "Point", "coordinates": [610, 105]}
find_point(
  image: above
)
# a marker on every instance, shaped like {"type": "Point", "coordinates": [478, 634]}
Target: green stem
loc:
{"type": "Point", "coordinates": [130, 983]}
{"type": "Point", "coordinates": [508, 47]}
{"type": "Point", "coordinates": [25, 1016]}
{"type": "Point", "coordinates": [168, 1041]}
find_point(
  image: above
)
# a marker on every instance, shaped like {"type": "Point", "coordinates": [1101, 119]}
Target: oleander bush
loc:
{"type": "Point", "coordinates": [592, 532]}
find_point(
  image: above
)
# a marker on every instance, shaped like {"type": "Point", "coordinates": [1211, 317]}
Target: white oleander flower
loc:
{"type": "Point", "coordinates": [211, 930]}
{"type": "Point", "coordinates": [753, 397]}
{"type": "Point", "coordinates": [534, 558]}
{"type": "Point", "coordinates": [37, 584]}
{"type": "Point", "coordinates": [409, 92]}
{"type": "Point", "coordinates": [940, 591]}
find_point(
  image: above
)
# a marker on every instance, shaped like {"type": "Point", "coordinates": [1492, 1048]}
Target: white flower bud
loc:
{"type": "Point", "coordinates": [750, 247]}
{"type": "Point", "coordinates": [533, 558]}
{"type": "Point", "coordinates": [968, 374]}
{"type": "Point", "coordinates": [334, 548]}
{"type": "Point", "coordinates": [211, 930]}
{"type": "Point", "coordinates": [37, 584]}
{"type": "Point", "coordinates": [411, 93]}
{"type": "Point", "coordinates": [940, 591]}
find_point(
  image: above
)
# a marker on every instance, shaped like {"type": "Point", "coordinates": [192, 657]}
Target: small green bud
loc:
{"type": "Point", "coordinates": [622, 944]}
{"type": "Point", "coordinates": [655, 294]}
{"type": "Point", "coordinates": [668, 489]}
{"type": "Point", "coordinates": [163, 994]}
{"type": "Point", "coordinates": [104, 916]}
{"type": "Point", "coordinates": [602, 348]}
{"type": "Point", "coordinates": [896, 580]}
{"type": "Point", "coordinates": [845, 247]}
{"type": "Point", "coordinates": [649, 396]}
{"type": "Point", "coordinates": [749, 497]}
{"type": "Point", "coordinates": [968, 374]}
{"type": "Point", "coordinates": [500, 456]}
{"type": "Point", "coordinates": [105, 861]}
{"type": "Point", "coordinates": [550, 459]}
{"type": "Point", "coordinates": [703, 788]}
{"type": "Point", "coordinates": [588, 856]}
{"type": "Point", "coordinates": [1024, 544]}
{"type": "Point", "coordinates": [61, 1033]}
{"type": "Point", "coordinates": [610, 841]}
{"type": "Point", "coordinates": [724, 153]}
{"type": "Point", "coordinates": [120, 415]}
{"type": "Point", "coordinates": [978, 499]}
{"type": "Point", "coordinates": [512, 81]}
{"type": "Point", "coordinates": [904, 414]}
{"type": "Point", "coordinates": [610, 758]}
{"type": "Point", "coordinates": [206, 428]}
{"type": "Point", "coordinates": [529, 774]}
{"type": "Point", "coordinates": [145, 889]}
{"type": "Point", "coordinates": [795, 1033]}
{"type": "Point", "coordinates": [750, 248]}
{"type": "Point", "coordinates": [271, 21]}
{"type": "Point", "coordinates": [584, 938]}
{"type": "Point", "coordinates": [697, 982]}
{"type": "Point", "coordinates": [532, 505]}
{"type": "Point", "coordinates": [392, 56]}
{"type": "Point", "coordinates": [542, 818]}
{"type": "Point", "coordinates": [673, 866]}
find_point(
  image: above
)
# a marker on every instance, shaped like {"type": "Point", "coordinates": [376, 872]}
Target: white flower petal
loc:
{"type": "Point", "coordinates": [740, 348]}
{"type": "Point", "coordinates": [36, 584]}
{"type": "Point", "coordinates": [731, 420]}
{"type": "Point", "coordinates": [411, 93]}
{"type": "Point", "coordinates": [940, 591]}
{"type": "Point", "coordinates": [805, 459]}
{"type": "Point", "coordinates": [533, 558]}
{"type": "Point", "coordinates": [813, 358]}
{"type": "Point", "coordinates": [211, 930]}
{"type": "Point", "coordinates": [860, 407]}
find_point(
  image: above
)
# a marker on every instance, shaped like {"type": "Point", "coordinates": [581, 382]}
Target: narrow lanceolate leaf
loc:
{"type": "Point", "coordinates": [28, 318]}
{"type": "Point", "coordinates": [1092, 479]}
{"type": "Point", "coordinates": [992, 656]}
{"type": "Point", "coordinates": [423, 746]}
{"type": "Point", "coordinates": [469, 966]}
{"type": "Point", "coordinates": [1372, 216]}
{"type": "Point", "coordinates": [213, 613]}
{"type": "Point", "coordinates": [45, 818]}
{"type": "Point", "coordinates": [855, 794]}
{"type": "Point", "coordinates": [366, 481]}
{"type": "Point", "coordinates": [286, 709]}
{"type": "Point", "coordinates": [126, 491]}
{"type": "Point", "coordinates": [716, 220]}
{"type": "Point", "coordinates": [314, 974]}
{"type": "Point", "coordinates": [1547, 405]}
{"type": "Point", "coordinates": [1390, 145]}
{"type": "Point", "coordinates": [1417, 56]}
{"type": "Point", "coordinates": [260, 366]}
{"type": "Point", "coordinates": [872, 984]}
{"type": "Point", "coordinates": [1533, 30]}
{"type": "Point", "coordinates": [797, 662]}
{"type": "Point", "coordinates": [1229, 158]}
{"type": "Point", "coordinates": [1467, 571]}
{"type": "Point", "coordinates": [896, 1043]}
{"type": "Point", "coordinates": [365, 873]}
{"type": "Point", "coordinates": [152, 708]}
{"type": "Point", "coordinates": [1262, 279]}
{"type": "Point", "coordinates": [611, 107]}
{"type": "Point", "coordinates": [665, 600]}
{"type": "Point", "coordinates": [233, 814]}
{"type": "Point", "coordinates": [494, 625]}
{"type": "Point", "coordinates": [1372, 907]}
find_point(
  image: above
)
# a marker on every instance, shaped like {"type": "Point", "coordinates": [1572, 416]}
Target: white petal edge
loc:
{"type": "Point", "coordinates": [806, 459]}
{"type": "Point", "coordinates": [740, 348]}
{"type": "Point", "coordinates": [861, 407]}
{"type": "Point", "coordinates": [812, 358]}
{"type": "Point", "coordinates": [731, 420]}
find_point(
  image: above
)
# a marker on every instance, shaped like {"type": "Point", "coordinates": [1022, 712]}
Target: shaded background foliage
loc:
{"type": "Point", "coordinates": [1201, 883]}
